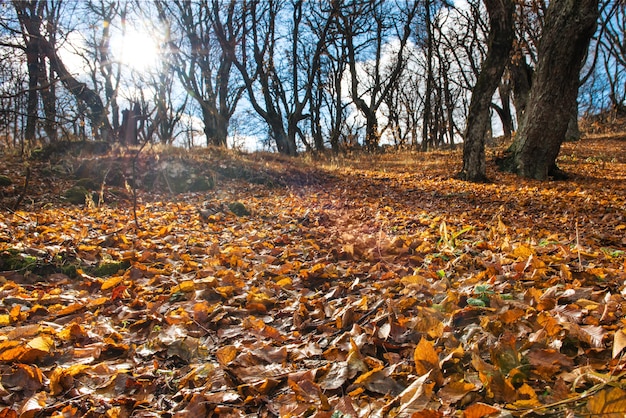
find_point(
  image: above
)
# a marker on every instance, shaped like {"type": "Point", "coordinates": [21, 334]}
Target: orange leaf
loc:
{"type": "Point", "coordinates": [111, 282]}
{"type": "Point", "coordinates": [609, 403]}
{"type": "Point", "coordinates": [425, 356]}
{"type": "Point", "coordinates": [427, 413]}
{"type": "Point", "coordinates": [479, 410]}
{"type": "Point", "coordinates": [8, 413]}
{"type": "Point", "coordinates": [226, 354]}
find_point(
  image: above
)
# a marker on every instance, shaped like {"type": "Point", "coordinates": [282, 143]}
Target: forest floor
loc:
{"type": "Point", "coordinates": [357, 286]}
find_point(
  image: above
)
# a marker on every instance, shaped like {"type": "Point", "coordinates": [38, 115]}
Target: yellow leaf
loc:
{"type": "Point", "coordinates": [226, 354]}
{"type": "Point", "coordinates": [225, 291]}
{"type": "Point", "coordinates": [186, 286]}
{"type": "Point", "coordinates": [111, 282]}
{"type": "Point", "coordinates": [414, 280]}
{"type": "Point", "coordinates": [283, 281]}
{"type": "Point", "coordinates": [523, 252]}
{"type": "Point", "coordinates": [12, 354]}
{"type": "Point", "coordinates": [97, 302]}
{"type": "Point", "coordinates": [41, 343]}
{"type": "Point", "coordinates": [529, 397]}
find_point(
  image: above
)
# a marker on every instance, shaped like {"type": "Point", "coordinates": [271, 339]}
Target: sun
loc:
{"type": "Point", "coordinates": [136, 50]}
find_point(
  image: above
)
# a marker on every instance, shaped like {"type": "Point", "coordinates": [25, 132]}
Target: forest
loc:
{"type": "Point", "coordinates": [312, 208]}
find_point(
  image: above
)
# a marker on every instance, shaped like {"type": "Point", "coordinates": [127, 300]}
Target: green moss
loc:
{"type": "Point", "coordinates": [76, 195]}
{"type": "Point", "coordinates": [5, 181]}
{"type": "Point", "coordinates": [70, 271]}
{"type": "Point", "coordinates": [238, 209]}
{"type": "Point", "coordinates": [108, 269]}
{"type": "Point", "coordinates": [12, 260]}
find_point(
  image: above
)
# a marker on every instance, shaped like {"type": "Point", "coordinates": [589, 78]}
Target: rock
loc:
{"type": "Point", "coordinates": [87, 183]}
{"type": "Point", "coordinates": [238, 209]}
{"type": "Point", "coordinates": [76, 195]}
{"type": "Point", "coordinates": [201, 184]}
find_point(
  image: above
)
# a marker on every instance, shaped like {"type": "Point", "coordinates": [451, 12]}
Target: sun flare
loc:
{"type": "Point", "coordinates": [137, 50]}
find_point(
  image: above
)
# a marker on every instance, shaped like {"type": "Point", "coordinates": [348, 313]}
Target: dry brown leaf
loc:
{"type": "Point", "coordinates": [609, 402]}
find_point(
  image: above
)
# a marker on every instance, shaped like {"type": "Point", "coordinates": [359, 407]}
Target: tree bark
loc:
{"type": "Point", "coordinates": [569, 26]}
{"type": "Point", "coordinates": [97, 112]}
{"type": "Point", "coordinates": [500, 42]}
{"type": "Point", "coordinates": [29, 15]}
{"type": "Point", "coordinates": [521, 79]}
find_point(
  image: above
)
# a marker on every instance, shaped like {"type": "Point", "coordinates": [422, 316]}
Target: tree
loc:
{"type": "Point", "coordinates": [372, 82]}
{"type": "Point", "coordinates": [568, 28]}
{"type": "Point", "coordinates": [109, 69]}
{"type": "Point", "coordinates": [201, 61]}
{"type": "Point", "coordinates": [38, 22]}
{"type": "Point", "coordinates": [500, 42]}
{"type": "Point", "coordinates": [278, 73]}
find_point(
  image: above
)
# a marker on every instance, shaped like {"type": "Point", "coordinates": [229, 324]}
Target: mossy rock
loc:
{"type": "Point", "coordinates": [176, 184]}
{"type": "Point", "coordinates": [238, 209]}
{"type": "Point", "coordinates": [40, 266]}
{"type": "Point", "coordinates": [74, 148]}
{"type": "Point", "coordinates": [76, 195]}
{"type": "Point", "coordinates": [5, 181]}
{"type": "Point", "coordinates": [13, 260]}
{"type": "Point", "coordinates": [109, 269]}
{"type": "Point", "coordinates": [87, 183]}
{"type": "Point", "coordinates": [201, 184]}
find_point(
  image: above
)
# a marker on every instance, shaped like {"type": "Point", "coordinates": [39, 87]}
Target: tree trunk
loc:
{"type": "Point", "coordinates": [569, 26]}
{"type": "Point", "coordinates": [97, 112]}
{"type": "Point", "coordinates": [215, 126]}
{"type": "Point", "coordinates": [427, 139]}
{"type": "Point", "coordinates": [521, 79]}
{"type": "Point", "coordinates": [29, 15]}
{"type": "Point", "coordinates": [573, 131]}
{"type": "Point", "coordinates": [504, 111]}
{"type": "Point", "coordinates": [500, 42]}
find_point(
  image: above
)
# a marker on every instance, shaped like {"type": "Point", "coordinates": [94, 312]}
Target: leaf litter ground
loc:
{"type": "Point", "coordinates": [355, 287]}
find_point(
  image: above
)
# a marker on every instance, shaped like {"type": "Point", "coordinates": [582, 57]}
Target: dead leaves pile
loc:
{"type": "Point", "coordinates": [377, 294]}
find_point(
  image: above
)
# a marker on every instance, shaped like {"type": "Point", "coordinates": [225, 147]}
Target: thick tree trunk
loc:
{"type": "Point", "coordinates": [215, 126]}
{"type": "Point", "coordinates": [521, 79]}
{"type": "Point", "coordinates": [29, 15]}
{"type": "Point", "coordinates": [569, 25]}
{"type": "Point", "coordinates": [573, 130]}
{"type": "Point", "coordinates": [478, 119]}
{"type": "Point", "coordinates": [282, 140]}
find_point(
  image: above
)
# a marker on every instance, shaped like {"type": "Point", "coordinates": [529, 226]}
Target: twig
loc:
{"type": "Point", "coordinates": [580, 262]}
{"type": "Point", "coordinates": [134, 166]}
{"type": "Point", "coordinates": [588, 393]}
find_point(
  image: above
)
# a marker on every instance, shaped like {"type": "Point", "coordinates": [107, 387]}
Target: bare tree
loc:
{"type": "Point", "coordinates": [279, 87]}
{"type": "Point", "coordinates": [200, 60]}
{"type": "Point", "coordinates": [372, 82]}
{"type": "Point", "coordinates": [38, 21]}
